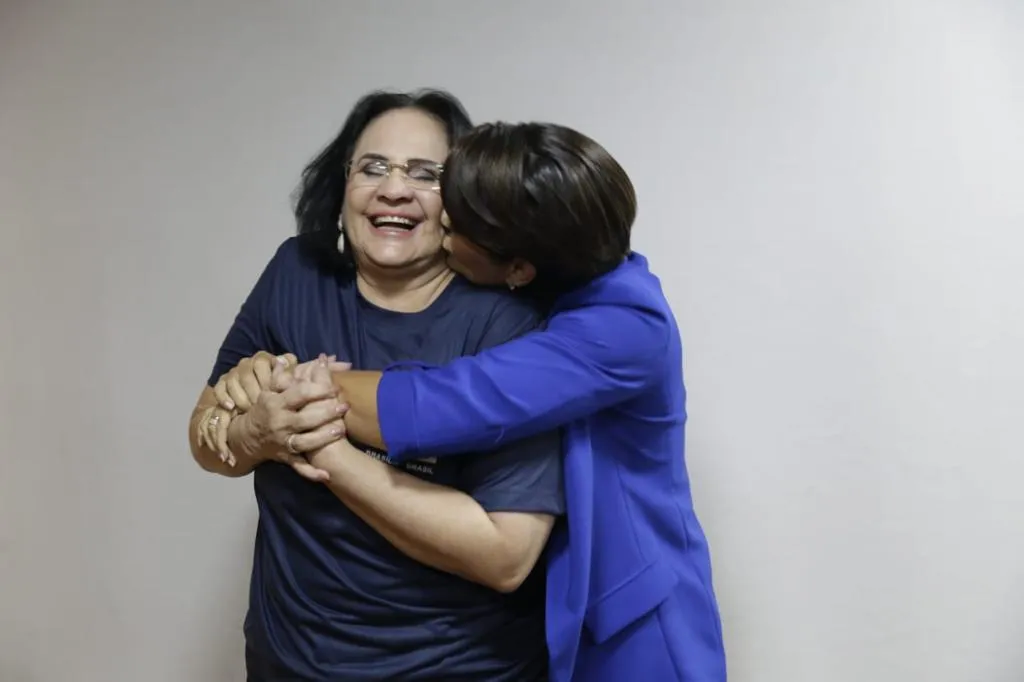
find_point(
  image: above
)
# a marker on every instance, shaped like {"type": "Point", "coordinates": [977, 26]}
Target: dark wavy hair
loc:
{"type": "Point", "coordinates": [321, 191]}
{"type": "Point", "coordinates": [544, 193]}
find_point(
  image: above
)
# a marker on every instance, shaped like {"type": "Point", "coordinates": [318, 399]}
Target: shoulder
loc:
{"type": "Point", "coordinates": [631, 285]}
{"type": "Point", "coordinates": [295, 277]}
{"type": "Point", "coordinates": [626, 308]}
{"type": "Point", "coordinates": [287, 257]}
{"type": "Point", "coordinates": [497, 315]}
{"type": "Point", "coordinates": [301, 255]}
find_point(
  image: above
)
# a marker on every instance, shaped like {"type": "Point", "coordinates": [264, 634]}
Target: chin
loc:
{"type": "Point", "coordinates": [394, 259]}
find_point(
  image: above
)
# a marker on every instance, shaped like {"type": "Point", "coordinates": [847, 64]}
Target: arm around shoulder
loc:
{"type": "Point", "coordinates": [588, 359]}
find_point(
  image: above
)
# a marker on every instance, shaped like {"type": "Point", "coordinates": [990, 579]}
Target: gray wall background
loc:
{"type": "Point", "coordinates": [830, 191]}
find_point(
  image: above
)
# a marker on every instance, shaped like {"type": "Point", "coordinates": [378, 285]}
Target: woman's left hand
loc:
{"type": "Point", "coordinates": [213, 432]}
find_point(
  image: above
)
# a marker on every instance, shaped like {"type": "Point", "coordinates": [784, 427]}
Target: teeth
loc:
{"type": "Point", "coordinates": [392, 220]}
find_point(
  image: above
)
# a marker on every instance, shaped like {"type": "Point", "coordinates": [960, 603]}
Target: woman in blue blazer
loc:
{"type": "Point", "coordinates": [547, 209]}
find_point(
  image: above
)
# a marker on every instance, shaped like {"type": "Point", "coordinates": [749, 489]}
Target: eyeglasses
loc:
{"type": "Point", "coordinates": [418, 174]}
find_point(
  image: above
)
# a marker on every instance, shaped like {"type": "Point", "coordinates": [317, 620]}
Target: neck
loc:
{"type": "Point", "coordinates": [400, 291]}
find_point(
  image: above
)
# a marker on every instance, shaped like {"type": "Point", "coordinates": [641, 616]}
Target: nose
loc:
{"type": "Point", "coordinates": [393, 187]}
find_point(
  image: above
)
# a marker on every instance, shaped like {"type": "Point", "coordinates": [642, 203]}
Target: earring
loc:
{"type": "Point", "coordinates": [341, 237]}
{"type": "Point", "coordinates": [511, 286]}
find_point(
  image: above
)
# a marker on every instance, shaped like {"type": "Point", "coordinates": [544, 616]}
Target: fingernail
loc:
{"type": "Point", "coordinates": [282, 360]}
{"type": "Point", "coordinates": [336, 433]}
{"type": "Point", "coordinates": [341, 409]}
{"type": "Point", "coordinates": [230, 404]}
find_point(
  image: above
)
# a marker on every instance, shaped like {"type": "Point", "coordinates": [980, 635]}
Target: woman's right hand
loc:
{"type": "Point", "coordinates": [240, 387]}
{"type": "Point", "coordinates": [291, 418]}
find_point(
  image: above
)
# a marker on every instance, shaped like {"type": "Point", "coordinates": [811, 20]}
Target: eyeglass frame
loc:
{"type": "Point", "coordinates": [390, 166]}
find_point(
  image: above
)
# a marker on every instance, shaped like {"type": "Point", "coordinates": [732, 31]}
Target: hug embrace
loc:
{"type": "Point", "coordinates": [460, 396]}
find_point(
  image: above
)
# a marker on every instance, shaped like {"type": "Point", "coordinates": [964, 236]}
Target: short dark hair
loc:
{"type": "Point", "coordinates": [544, 193]}
{"type": "Point", "coordinates": [321, 191]}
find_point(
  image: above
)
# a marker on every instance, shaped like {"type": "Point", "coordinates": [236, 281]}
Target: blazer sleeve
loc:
{"type": "Point", "coordinates": [587, 359]}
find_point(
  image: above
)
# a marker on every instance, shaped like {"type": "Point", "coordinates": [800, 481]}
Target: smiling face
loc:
{"type": "Point", "coordinates": [392, 207]}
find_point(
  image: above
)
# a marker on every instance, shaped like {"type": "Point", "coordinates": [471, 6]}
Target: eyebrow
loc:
{"type": "Point", "coordinates": [381, 157]}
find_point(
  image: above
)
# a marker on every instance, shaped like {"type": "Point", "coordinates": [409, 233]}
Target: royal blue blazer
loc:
{"type": "Point", "coordinates": [629, 590]}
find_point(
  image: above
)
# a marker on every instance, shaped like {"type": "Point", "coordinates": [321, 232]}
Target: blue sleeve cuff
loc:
{"type": "Point", "coordinates": [396, 412]}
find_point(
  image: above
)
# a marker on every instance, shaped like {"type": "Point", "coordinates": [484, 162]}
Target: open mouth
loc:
{"type": "Point", "coordinates": [394, 223]}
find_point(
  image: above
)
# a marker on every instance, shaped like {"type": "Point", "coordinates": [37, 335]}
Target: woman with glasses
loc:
{"type": "Point", "coordinates": [413, 570]}
{"type": "Point", "coordinates": [544, 208]}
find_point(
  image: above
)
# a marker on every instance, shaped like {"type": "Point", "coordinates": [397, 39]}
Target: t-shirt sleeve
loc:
{"type": "Point", "coordinates": [250, 332]}
{"type": "Point", "coordinates": [523, 475]}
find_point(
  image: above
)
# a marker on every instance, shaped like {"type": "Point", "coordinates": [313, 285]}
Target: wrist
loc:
{"type": "Point", "coordinates": [242, 439]}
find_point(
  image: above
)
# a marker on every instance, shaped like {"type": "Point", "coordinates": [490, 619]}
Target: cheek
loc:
{"type": "Point", "coordinates": [465, 259]}
{"type": "Point", "coordinates": [432, 207]}
{"type": "Point", "coordinates": [353, 205]}
{"type": "Point", "coordinates": [456, 246]}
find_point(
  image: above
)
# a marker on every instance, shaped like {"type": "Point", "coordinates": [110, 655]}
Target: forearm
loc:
{"type": "Point", "coordinates": [435, 525]}
{"type": "Point", "coordinates": [588, 359]}
{"type": "Point", "coordinates": [359, 390]}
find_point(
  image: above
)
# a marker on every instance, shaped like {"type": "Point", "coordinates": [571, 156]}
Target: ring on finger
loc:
{"type": "Point", "coordinates": [290, 446]}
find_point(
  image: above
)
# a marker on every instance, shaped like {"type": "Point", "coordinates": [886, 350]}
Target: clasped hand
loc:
{"type": "Point", "coordinates": [285, 410]}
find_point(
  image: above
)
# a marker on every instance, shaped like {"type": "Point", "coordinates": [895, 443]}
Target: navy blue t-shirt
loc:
{"type": "Point", "coordinates": [330, 598]}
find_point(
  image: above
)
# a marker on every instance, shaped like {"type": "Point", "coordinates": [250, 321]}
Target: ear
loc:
{"type": "Point", "coordinates": [520, 273]}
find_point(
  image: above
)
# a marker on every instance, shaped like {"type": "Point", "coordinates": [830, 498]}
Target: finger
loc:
{"type": "Point", "coordinates": [209, 427]}
{"type": "Point", "coordinates": [304, 392]}
{"type": "Point", "coordinates": [222, 439]}
{"type": "Point", "coordinates": [201, 429]}
{"type": "Point", "coordinates": [220, 391]}
{"type": "Point", "coordinates": [321, 375]}
{"type": "Point", "coordinates": [315, 414]}
{"type": "Point", "coordinates": [304, 371]}
{"type": "Point", "coordinates": [311, 441]}
{"type": "Point", "coordinates": [250, 384]}
{"type": "Point", "coordinates": [210, 430]}
{"type": "Point", "coordinates": [211, 436]}
{"type": "Point", "coordinates": [306, 470]}
{"type": "Point", "coordinates": [263, 369]}
{"type": "Point", "coordinates": [281, 377]}
{"type": "Point", "coordinates": [289, 359]}
{"type": "Point", "coordinates": [236, 393]}
{"type": "Point", "coordinates": [204, 438]}
{"type": "Point", "coordinates": [339, 366]}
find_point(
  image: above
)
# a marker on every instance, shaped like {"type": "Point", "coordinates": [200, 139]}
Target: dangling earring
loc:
{"type": "Point", "coordinates": [341, 237]}
{"type": "Point", "coordinates": [511, 286]}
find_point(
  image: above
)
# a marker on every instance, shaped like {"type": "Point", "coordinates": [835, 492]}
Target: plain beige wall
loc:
{"type": "Point", "coordinates": [831, 191]}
